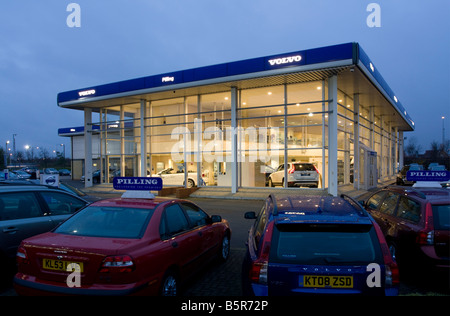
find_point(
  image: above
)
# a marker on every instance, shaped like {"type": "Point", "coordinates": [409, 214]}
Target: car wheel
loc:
{"type": "Point", "coordinates": [190, 183]}
{"type": "Point", "coordinates": [225, 248]}
{"type": "Point", "coordinates": [271, 183]}
{"type": "Point", "coordinates": [169, 285]}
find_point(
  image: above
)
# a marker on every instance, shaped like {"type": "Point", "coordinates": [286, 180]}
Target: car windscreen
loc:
{"type": "Point", "coordinates": [441, 217]}
{"type": "Point", "coordinates": [110, 222]}
{"type": "Point", "coordinates": [325, 244]}
{"type": "Point", "coordinates": [304, 167]}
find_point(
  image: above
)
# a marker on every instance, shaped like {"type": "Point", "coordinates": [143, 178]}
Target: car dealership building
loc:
{"type": "Point", "coordinates": [233, 124]}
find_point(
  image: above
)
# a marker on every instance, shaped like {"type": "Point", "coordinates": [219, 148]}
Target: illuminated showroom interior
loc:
{"type": "Point", "coordinates": [233, 124]}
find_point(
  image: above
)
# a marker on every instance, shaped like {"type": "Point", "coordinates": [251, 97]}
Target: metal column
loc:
{"type": "Point", "coordinates": [332, 137]}
{"type": "Point", "coordinates": [87, 148]}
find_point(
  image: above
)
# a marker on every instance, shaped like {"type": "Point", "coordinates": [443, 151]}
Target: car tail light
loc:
{"type": "Point", "coordinates": [392, 275]}
{"type": "Point", "coordinates": [259, 268]}
{"type": "Point", "coordinates": [117, 264]}
{"type": "Point", "coordinates": [426, 235]}
{"type": "Point", "coordinates": [292, 169]}
{"type": "Point", "coordinates": [21, 256]}
{"type": "Point", "coordinates": [317, 170]}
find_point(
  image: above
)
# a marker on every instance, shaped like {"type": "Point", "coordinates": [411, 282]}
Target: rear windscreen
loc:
{"type": "Point", "coordinates": [325, 244]}
{"type": "Point", "coordinates": [112, 222]}
{"type": "Point", "coordinates": [304, 167]}
{"type": "Point", "coordinates": [441, 216]}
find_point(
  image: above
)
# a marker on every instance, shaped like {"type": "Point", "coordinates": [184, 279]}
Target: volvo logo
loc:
{"type": "Point", "coordinates": [285, 60]}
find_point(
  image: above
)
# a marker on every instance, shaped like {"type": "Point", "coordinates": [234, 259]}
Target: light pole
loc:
{"type": "Point", "coordinates": [64, 153]}
{"type": "Point", "coordinates": [443, 130]}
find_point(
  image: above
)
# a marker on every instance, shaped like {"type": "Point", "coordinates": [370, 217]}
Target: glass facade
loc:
{"type": "Point", "coordinates": [273, 126]}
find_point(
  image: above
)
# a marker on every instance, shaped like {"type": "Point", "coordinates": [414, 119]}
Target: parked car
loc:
{"type": "Point", "coordinates": [28, 210]}
{"type": "Point", "coordinates": [401, 175]}
{"type": "Point", "coordinates": [172, 177]}
{"type": "Point", "coordinates": [50, 171]}
{"type": "Point", "coordinates": [299, 174]}
{"type": "Point", "coordinates": [415, 222]}
{"type": "Point", "coordinates": [303, 245]}
{"type": "Point", "coordinates": [64, 172]}
{"type": "Point", "coordinates": [123, 246]}
{"type": "Point", "coordinates": [95, 177]}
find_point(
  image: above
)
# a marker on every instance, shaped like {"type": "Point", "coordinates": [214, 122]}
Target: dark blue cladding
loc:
{"type": "Point", "coordinates": [287, 60]}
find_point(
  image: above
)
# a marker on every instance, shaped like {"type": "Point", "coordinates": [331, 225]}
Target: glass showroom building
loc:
{"type": "Point", "coordinates": [233, 124]}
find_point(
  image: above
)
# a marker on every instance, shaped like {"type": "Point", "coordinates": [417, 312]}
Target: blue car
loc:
{"type": "Point", "coordinates": [313, 245]}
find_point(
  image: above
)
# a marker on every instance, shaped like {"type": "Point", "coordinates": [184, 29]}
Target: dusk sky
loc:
{"type": "Point", "coordinates": [40, 55]}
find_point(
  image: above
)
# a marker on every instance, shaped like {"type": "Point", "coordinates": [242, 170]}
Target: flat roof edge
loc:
{"type": "Point", "coordinates": [226, 70]}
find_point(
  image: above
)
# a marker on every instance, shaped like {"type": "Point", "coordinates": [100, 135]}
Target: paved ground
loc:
{"type": "Point", "coordinates": [225, 279]}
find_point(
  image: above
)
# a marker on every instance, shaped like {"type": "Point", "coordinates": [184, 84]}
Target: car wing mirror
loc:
{"type": "Point", "coordinates": [250, 215]}
{"type": "Point", "coordinates": [216, 219]}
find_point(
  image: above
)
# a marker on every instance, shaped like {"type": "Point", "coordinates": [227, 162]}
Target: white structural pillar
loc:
{"type": "Point", "coordinates": [143, 139]}
{"type": "Point", "coordinates": [234, 154]}
{"type": "Point", "coordinates": [356, 147]}
{"type": "Point", "coordinates": [87, 147]}
{"type": "Point", "coordinates": [401, 153]}
{"type": "Point", "coordinates": [332, 137]}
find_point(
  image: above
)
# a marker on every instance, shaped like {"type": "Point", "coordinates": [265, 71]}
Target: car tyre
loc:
{"type": "Point", "coordinates": [169, 285]}
{"type": "Point", "coordinates": [190, 183]}
{"type": "Point", "coordinates": [225, 248]}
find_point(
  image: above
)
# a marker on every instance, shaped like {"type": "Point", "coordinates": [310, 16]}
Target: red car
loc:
{"type": "Point", "coordinates": [122, 246]}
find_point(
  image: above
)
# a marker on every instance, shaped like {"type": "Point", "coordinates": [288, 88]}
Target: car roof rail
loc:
{"type": "Point", "coordinates": [362, 211]}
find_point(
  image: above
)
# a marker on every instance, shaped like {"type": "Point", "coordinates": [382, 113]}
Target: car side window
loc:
{"type": "Point", "coordinates": [18, 206]}
{"type": "Point", "coordinates": [280, 168]}
{"type": "Point", "coordinates": [409, 210]}
{"type": "Point", "coordinates": [61, 204]}
{"type": "Point", "coordinates": [260, 223]}
{"type": "Point", "coordinates": [196, 216]}
{"type": "Point", "coordinates": [389, 204]}
{"type": "Point", "coordinates": [174, 221]}
{"type": "Point", "coordinates": [374, 201]}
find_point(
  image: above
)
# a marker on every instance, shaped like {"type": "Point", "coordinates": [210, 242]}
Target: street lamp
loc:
{"type": "Point", "coordinates": [443, 130]}
{"type": "Point", "coordinates": [64, 153]}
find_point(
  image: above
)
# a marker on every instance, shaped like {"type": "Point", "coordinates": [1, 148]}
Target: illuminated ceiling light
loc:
{"type": "Point", "coordinates": [269, 93]}
{"type": "Point", "coordinates": [310, 114]}
{"type": "Point", "coordinates": [319, 88]}
{"type": "Point", "coordinates": [298, 104]}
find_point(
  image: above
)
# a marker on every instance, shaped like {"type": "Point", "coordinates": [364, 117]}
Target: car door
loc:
{"type": "Point", "coordinates": [277, 176]}
{"type": "Point", "coordinates": [386, 214]}
{"type": "Point", "coordinates": [21, 217]}
{"type": "Point", "coordinates": [180, 243]}
{"type": "Point", "coordinates": [60, 205]}
{"type": "Point", "coordinates": [198, 221]}
{"type": "Point", "coordinates": [409, 216]}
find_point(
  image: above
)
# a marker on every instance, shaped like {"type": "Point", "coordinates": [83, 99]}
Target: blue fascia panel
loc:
{"type": "Point", "coordinates": [287, 60]}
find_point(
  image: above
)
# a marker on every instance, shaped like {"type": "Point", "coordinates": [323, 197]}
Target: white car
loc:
{"type": "Point", "coordinates": [172, 177]}
{"type": "Point", "coordinates": [299, 174]}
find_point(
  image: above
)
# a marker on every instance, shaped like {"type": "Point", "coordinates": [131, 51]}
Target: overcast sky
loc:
{"type": "Point", "coordinates": [40, 55]}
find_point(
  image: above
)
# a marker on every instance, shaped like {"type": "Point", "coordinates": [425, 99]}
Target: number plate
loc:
{"type": "Point", "coordinates": [59, 265]}
{"type": "Point", "coordinates": [330, 281]}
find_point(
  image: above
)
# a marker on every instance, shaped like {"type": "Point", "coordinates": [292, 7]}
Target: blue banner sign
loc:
{"type": "Point", "coordinates": [138, 183]}
{"type": "Point", "coordinates": [427, 175]}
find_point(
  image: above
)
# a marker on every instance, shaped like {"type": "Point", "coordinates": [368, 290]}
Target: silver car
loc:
{"type": "Point", "coordinates": [28, 210]}
{"type": "Point", "coordinates": [299, 174]}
